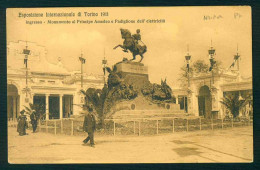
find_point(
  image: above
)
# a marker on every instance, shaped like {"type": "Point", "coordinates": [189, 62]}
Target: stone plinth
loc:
{"type": "Point", "coordinates": [132, 67]}
{"type": "Point", "coordinates": [133, 73]}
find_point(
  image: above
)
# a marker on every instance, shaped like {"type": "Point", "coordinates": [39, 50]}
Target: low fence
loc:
{"type": "Point", "coordinates": [146, 126]}
{"type": "Point", "coordinates": [151, 126]}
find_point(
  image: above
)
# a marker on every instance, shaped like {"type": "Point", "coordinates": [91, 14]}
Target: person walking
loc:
{"type": "Point", "coordinates": [33, 120]}
{"type": "Point", "coordinates": [22, 124]}
{"type": "Point", "coordinates": [89, 126]}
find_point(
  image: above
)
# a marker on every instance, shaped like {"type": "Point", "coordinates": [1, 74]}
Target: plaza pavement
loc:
{"type": "Point", "coordinates": [228, 145]}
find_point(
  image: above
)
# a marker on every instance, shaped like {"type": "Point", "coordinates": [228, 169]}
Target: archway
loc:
{"type": "Point", "coordinates": [204, 102]}
{"type": "Point", "coordinates": [13, 102]}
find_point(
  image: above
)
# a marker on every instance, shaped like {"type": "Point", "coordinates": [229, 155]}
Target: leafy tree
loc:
{"type": "Point", "coordinates": [37, 108]}
{"type": "Point", "coordinates": [199, 66]}
{"type": "Point", "coordinates": [233, 104]}
{"type": "Point", "coordinates": [96, 97]}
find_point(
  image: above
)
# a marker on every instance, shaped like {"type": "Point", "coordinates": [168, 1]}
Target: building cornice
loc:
{"type": "Point", "coordinates": [52, 88]}
{"type": "Point", "coordinates": [244, 85]}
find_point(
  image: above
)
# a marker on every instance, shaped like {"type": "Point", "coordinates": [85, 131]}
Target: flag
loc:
{"type": "Point", "coordinates": [188, 67]}
{"type": "Point", "coordinates": [104, 70]}
{"type": "Point", "coordinates": [232, 65]}
{"type": "Point", "coordinates": [212, 63]}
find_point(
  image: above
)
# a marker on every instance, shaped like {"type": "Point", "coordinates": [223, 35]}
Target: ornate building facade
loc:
{"type": "Point", "coordinates": [206, 90]}
{"type": "Point", "coordinates": [43, 82]}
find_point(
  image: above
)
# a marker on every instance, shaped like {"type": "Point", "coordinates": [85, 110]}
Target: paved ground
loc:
{"type": "Point", "coordinates": [229, 145]}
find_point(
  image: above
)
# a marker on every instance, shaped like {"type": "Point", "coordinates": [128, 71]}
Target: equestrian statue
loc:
{"type": "Point", "coordinates": [131, 43]}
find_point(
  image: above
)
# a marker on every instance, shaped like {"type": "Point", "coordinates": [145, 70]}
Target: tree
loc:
{"type": "Point", "coordinates": [233, 104]}
{"type": "Point", "coordinates": [37, 108]}
{"type": "Point", "coordinates": [199, 66]}
{"type": "Point", "coordinates": [96, 97]}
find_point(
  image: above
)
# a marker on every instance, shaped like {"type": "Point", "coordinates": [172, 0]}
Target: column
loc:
{"type": "Point", "coordinates": [177, 99]}
{"type": "Point", "coordinates": [32, 95]}
{"type": "Point", "coordinates": [61, 108]}
{"type": "Point", "coordinates": [184, 104]}
{"type": "Point", "coordinates": [14, 107]}
{"type": "Point", "coordinates": [47, 106]}
{"type": "Point", "coordinates": [75, 100]}
{"type": "Point", "coordinates": [17, 105]}
{"type": "Point", "coordinates": [220, 106]}
{"type": "Point", "coordinates": [71, 104]}
{"type": "Point", "coordinates": [194, 104]}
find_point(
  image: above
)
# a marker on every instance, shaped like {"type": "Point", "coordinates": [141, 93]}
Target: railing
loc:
{"type": "Point", "coordinates": [139, 126]}
{"type": "Point", "coordinates": [175, 124]}
{"type": "Point", "coordinates": [12, 122]}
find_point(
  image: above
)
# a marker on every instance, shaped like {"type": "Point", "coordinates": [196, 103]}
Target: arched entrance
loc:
{"type": "Point", "coordinates": [13, 102]}
{"type": "Point", "coordinates": [204, 102]}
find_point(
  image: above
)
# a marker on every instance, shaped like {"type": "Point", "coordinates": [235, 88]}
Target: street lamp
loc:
{"type": "Point", "coordinates": [104, 63]}
{"type": "Point", "coordinates": [26, 52]}
{"type": "Point", "coordinates": [188, 57]}
{"type": "Point", "coordinates": [83, 61]}
{"type": "Point", "coordinates": [212, 60]}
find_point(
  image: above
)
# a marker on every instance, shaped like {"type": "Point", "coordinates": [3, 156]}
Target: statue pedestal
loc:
{"type": "Point", "coordinates": [133, 78]}
{"type": "Point", "coordinates": [133, 73]}
{"type": "Point", "coordinates": [132, 67]}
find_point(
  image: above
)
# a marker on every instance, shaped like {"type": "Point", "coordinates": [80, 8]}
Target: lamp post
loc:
{"type": "Point", "coordinates": [26, 52]}
{"type": "Point", "coordinates": [83, 61]}
{"type": "Point", "coordinates": [104, 63]}
{"type": "Point", "coordinates": [188, 57]}
{"type": "Point", "coordinates": [212, 61]}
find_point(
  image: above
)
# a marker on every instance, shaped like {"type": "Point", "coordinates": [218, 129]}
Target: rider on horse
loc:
{"type": "Point", "coordinates": [137, 37]}
{"type": "Point", "coordinates": [131, 43]}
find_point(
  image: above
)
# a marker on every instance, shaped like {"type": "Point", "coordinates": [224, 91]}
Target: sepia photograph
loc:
{"type": "Point", "coordinates": [129, 85]}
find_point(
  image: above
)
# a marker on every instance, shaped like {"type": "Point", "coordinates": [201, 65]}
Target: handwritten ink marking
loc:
{"type": "Point", "coordinates": [237, 15]}
{"type": "Point", "coordinates": [212, 17]}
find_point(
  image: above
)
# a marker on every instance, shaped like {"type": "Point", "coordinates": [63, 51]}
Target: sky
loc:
{"type": "Point", "coordinates": [166, 42]}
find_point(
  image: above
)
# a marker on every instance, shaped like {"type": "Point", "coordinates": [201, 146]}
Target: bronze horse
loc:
{"type": "Point", "coordinates": [129, 44]}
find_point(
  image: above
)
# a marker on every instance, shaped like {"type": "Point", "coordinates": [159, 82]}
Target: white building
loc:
{"type": "Point", "coordinates": [51, 84]}
{"type": "Point", "coordinates": [206, 90]}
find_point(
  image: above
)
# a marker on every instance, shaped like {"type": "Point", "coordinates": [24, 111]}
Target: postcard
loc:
{"type": "Point", "coordinates": [129, 85]}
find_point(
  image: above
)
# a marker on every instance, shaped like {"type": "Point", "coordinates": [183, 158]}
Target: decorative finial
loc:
{"type": "Point", "coordinates": [104, 53]}
{"type": "Point", "coordinates": [104, 61]}
{"type": "Point", "coordinates": [81, 54]}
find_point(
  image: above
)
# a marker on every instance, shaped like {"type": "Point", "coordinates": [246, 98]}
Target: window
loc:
{"type": "Point", "coordinates": [51, 82]}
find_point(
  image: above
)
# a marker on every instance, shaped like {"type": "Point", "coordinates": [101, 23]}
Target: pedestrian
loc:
{"type": "Point", "coordinates": [89, 126]}
{"type": "Point", "coordinates": [22, 124]}
{"type": "Point", "coordinates": [33, 120]}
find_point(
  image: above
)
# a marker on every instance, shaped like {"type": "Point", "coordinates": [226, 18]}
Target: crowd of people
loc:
{"type": "Point", "coordinates": [89, 125]}
{"type": "Point", "coordinates": [23, 123]}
